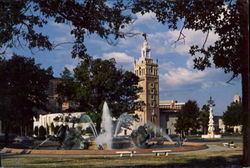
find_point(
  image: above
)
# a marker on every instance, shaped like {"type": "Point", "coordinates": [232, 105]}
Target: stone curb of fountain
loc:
{"type": "Point", "coordinates": [211, 148]}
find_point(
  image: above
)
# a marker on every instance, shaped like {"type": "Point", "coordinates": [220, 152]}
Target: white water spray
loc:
{"type": "Point", "coordinates": [105, 136]}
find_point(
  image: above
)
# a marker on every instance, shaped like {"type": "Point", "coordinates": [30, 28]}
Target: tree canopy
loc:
{"type": "Point", "coordinates": [188, 118]}
{"type": "Point", "coordinates": [96, 81]}
{"type": "Point", "coordinates": [226, 18]}
{"type": "Point", "coordinates": [233, 115]}
{"type": "Point", "coordinates": [204, 118]}
{"type": "Point", "coordinates": [19, 20]}
{"type": "Point", "coordinates": [222, 17]}
{"type": "Point", "coordinates": [23, 86]}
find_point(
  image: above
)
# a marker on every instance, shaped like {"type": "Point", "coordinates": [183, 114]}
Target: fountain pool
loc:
{"type": "Point", "coordinates": [107, 142]}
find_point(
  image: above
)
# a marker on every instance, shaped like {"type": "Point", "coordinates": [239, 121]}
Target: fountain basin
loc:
{"type": "Point", "coordinates": [187, 146]}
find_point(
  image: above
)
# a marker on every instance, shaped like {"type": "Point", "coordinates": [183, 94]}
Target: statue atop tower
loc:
{"type": "Point", "coordinates": [145, 49]}
{"type": "Point", "coordinates": [145, 36]}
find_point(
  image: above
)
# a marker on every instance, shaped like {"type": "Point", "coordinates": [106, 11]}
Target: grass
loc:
{"type": "Point", "coordinates": [200, 159]}
{"type": "Point", "coordinates": [208, 159]}
{"type": "Point", "coordinates": [236, 139]}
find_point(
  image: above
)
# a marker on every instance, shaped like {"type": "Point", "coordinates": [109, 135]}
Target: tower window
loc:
{"type": "Point", "coordinates": [152, 103]}
{"type": "Point", "coordinates": [152, 97]}
{"type": "Point", "coordinates": [152, 91]}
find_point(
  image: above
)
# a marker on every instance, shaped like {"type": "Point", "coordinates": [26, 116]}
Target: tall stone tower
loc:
{"type": "Point", "coordinates": [147, 70]}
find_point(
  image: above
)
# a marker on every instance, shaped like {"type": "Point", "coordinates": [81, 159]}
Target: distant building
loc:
{"type": "Point", "coordinates": [54, 105]}
{"type": "Point", "coordinates": [237, 99]}
{"type": "Point", "coordinates": [57, 103]}
{"type": "Point", "coordinates": [222, 127]}
{"type": "Point", "coordinates": [162, 113]}
{"type": "Point", "coordinates": [218, 124]}
{"type": "Point", "coordinates": [234, 129]}
{"type": "Point", "coordinates": [49, 122]}
{"type": "Point", "coordinates": [168, 115]}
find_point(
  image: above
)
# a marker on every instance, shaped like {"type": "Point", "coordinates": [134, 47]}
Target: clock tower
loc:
{"type": "Point", "coordinates": [147, 70]}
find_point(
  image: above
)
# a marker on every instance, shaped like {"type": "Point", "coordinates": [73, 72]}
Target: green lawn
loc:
{"type": "Point", "coordinates": [236, 139]}
{"type": "Point", "coordinates": [208, 159]}
{"type": "Point", "coordinates": [201, 159]}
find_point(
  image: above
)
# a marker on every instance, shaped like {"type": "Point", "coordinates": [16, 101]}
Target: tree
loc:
{"type": "Point", "coordinates": [96, 81]}
{"type": "Point", "coordinates": [188, 118]}
{"type": "Point", "coordinates": [19, 21]}
{"type": "Point", "coordinates": [36, 131]}
{"type": "Point", "coordinates": [42, 133]}
{"type": "Point", "coordinates": [229, 20]}
{"type": "Point", "coordinates": [204, 118]}
{"type": "Point", "coordinates": [233, 115]}
{"type": "Point", "coordinates": [23, 86]}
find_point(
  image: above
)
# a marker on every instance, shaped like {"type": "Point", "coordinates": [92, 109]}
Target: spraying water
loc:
{"type": "Point", "coordinates": [105, 136]}
{"type": "Point", "coordinates": [158, 130]}
{"type": "Point", "coordinates": [43, 142]}
{"type": "Point", "coordinates": [124, 120]}
{"type": "Point", "coordinates": [86, 119]}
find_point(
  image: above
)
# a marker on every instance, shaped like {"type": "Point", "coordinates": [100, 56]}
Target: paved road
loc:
{"type": "Point", "coordinates": [211, 148]}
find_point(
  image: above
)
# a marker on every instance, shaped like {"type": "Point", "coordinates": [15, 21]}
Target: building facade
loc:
{"type": "Point", "coordinates": [54, 105]}
{"type": "Point", "coordinates": [49, 122]}
{"type": "Point", "coordinates": [147, 71]}
{"type": "Point", "coordinates": [57, 103]}
{"type": "Point", "coordinates": [168, 115]}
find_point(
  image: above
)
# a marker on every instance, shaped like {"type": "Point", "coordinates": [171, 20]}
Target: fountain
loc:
{"type": "Point", "coordinates": [140, 137]}
{"type": "Point", "coordinates": [157, 131]}
{"type": "Point", "coordinates": [71, 141]}
{"type": "Point", "coordinates": [125, 120]}
{"type": "Point", "coordinates": [70, 138]}
{"type": "Point", "coordinates": [86, 119]}
{"type": "Point", "coordinates": [105, 136]}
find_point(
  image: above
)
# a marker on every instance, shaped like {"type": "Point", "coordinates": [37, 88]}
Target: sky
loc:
{"type": "Point", "coordinates": [178, 80]}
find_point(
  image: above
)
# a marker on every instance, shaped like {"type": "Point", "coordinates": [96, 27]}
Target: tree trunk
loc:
{"type": "Point", "coordinates": [98, 125]}
{"type": "Point", "coordinates": [6, 137]}
{"type": "Point", "coordinates": [246, 127]}
{"type": "Point", "coordinates": [244, 55]}
{"type": "Point", "coordinates": [21, 130]}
